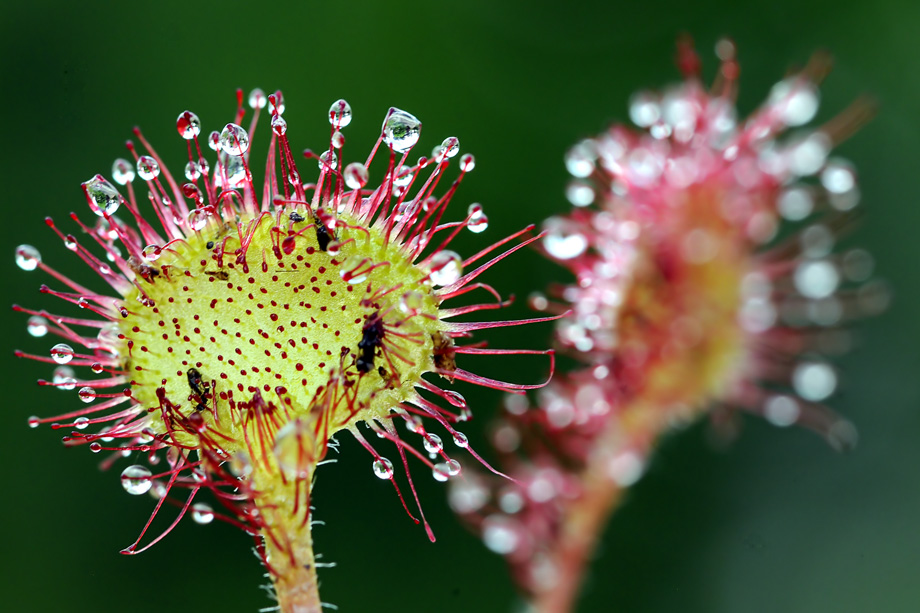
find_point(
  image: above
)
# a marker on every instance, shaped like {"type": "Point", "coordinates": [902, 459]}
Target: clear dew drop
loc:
{"type": "Point", "coordinates": [356, 175]}
{"type": "Point", "coordinates": [446, 267]}
{"type": "Point", "coordinates": [214, 140]}
{"type": "Point", "coordinates": [62, 353]}
{"type": "Point", "coordinates": [383, 468]}
{"type": "Point", "coordinates": [401, 130]}
{"type": "Point", "coordinates": [476, 219]}
{"type": "Point", "coordinates": [27, 257]}
{"type": "Point", "coordinates": [814, 381]}
{"type": "Point", "coordinates": [188, 125]}
{"type": "Point", "coordinates": [276, 107]}
{"type": "Point", "coordinates": [467, 162]}
{"type": "Point", "coordinates": [102, 196]}
{"type": "Point", "coordinates": [350, 266]}
{"type": "Point", "coordinates": [838, 177]}
{"type": "Point", "coordinates": [460, 440]}
{"type": "Point", "coordinates": [579, 193]}
{"type": "Point", "coordinates": [235, 171]}
{"type": "Point", "coordinates": [279, 125]}
{"type": "Point", "coordinates": [37, 326]}
{"type": "Point", "coordinates": [781, 410]}
{"type": "Point", "coordinates": [152, 253]}
{"type": "Point", "coordinates": [644, 110]}
{"type": "Point", "coordinates": [257, 99]}
{"type": "Point", "coordinates": [433, 444]}
{"type": "Point", "coordinates": [328, 159]}
{"type": "Point", "coordinates": [411, 302]}
{"type": "Point", "coordinates": [499, 534]}
{"type": "Point", "coordinates": [147, 168]}
{"type": "Point", "coordinates": [81, 423]}
{"type": "Point", "coordinates": [63, 378]}
{"type": "Point", "coordinates": [234, 140]}
{"type": "Point", "coordinates": [579, 160]}
{"type": "Point", "coordinates": [198, 219]}
{"type": "Point", "coordinates": [440, 472]}
{"type": "Point", "coordinates": [338, 139]}
{"type": "Point", "coordinates": [816, 278]}
{"type": "Point", "coordinates": [450, 146]}
{"type": "Point", "coordinates": [202, 513]}
{"type": "Point", "coordinates": [122, 171]}
{"type": "Point", "coordinates": [563, 240]}
{"type": "Point", "coordinates": [796, 101]}
{"type": "Point", "coordinates": [87, 394]}
{"type": "Point", "coordinates": [136, 480]}
{"type": "Point", "coordinates": [192, 171]}
{"type": "Point", "coordinates": [795, 203]}
{"type": "Point", "coordinates": [340, 114]}
{"type": "Point", "coordinates": [34, 421]}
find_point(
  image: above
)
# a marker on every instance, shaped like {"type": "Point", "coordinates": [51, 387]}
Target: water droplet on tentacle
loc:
{"type": "Point", "coordinates": [401, 130]}
{"type": "Point", "coordinates": [202, 513]}
{"type": "Point", "coordinates": [477, 220]}
{"type": "Point", "coordinates": [27, 257]}
{"type": "Point", "coordinates": [446, 267]}
{"type": "Point", "coordinates": [383, 468]}
{"type": "Point", "coordinates": [62, 353]}
{"type": "Point", "coordinates": [234, 140]}
{"type": "Point", "coordinates": [136, 480]}
{"type": "Point", "coordinates": [340, 114]}
{"type": "Point", "coordinates": [37, 326]}
{"type": "Point", "coordinates": [122, 171]}
{"type": "Point", "coordinates": [102, 196]}
{"type": "Point", "coordinates": [188, 125]}
{"type": "Point", "coordinates": [356, 175]}
{"type": "Point", "coordinates": [147, 168]}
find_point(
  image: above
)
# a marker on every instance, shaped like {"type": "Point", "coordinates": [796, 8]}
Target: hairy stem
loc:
{"type": "Point", "coordinates": [285, 508]}
{"type": "Point", "coordinates": [581, 529]}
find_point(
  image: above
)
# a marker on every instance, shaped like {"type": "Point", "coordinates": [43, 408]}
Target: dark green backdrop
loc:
{"type": "Point", "coordinates": [776, 522]}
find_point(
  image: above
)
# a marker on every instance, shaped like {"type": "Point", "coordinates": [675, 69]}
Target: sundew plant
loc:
{"type": "Point", "coordinates": [706, 281]}
{"type": "Point", "coordinates": [248, 323]}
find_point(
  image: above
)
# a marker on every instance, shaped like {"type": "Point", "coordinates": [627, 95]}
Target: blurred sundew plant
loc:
{"type": "Point", "coordinates": [249, 323]}
{"type": "Point", "coordinates": [690, 297]}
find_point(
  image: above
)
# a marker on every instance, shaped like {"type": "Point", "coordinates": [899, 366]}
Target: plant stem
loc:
{"type": "Point", "coordinates": [582, 526]}
{"type": "Point", "coordinates": [285, 507]}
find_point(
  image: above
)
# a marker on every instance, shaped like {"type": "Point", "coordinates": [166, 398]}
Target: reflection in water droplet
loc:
{"type": "Point", "coordinates": [563, 239]}
{"type": "Point", "coordinates": [188, 125]}
{"type": "Point", "coordinates": [340, 114]}
{"type": "Point", "coordinates": [257, 99]}
{"type": "Point", "coordinates": [202, 513]}
{"type": "Point", "coordinates": [446, 267]}
{"type": "Point", "coordinates": [383, 468]}
{"type": "Point", "coordinates": [102, 196]}
{"type": "Point", "coordinates": [147, 168]}
{"type": "Point", "coordinates": [37, 326]}
{"type": "Point", "coordinates": [467, 162]}
{"type": "Point", "coordinates": [234, 140]}
{"type": "Point", "coordinates": [81, 423]}
{"type": "Point", "coordinates": [356, 175]}
{"type": "Point", "coordinates": [62, 353]}
{"type": "Point", "coordinates": [87, 394]}
{"type": "Point", "coordinates": [122, 171]}
{"type": "Point", "coordinates": [477, 220]}
{"type": "Point", "coordinates": [136, 479]}
{"type": "Point", "coordinates": [27, 257]}
{"type": "Point", "coordinates": [401, 130]}
{"type": "Point", "coordinates": [328, 159]}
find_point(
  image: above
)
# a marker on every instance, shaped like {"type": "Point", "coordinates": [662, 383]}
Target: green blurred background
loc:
{"type": "Point", "coordinates": [774, 522]}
